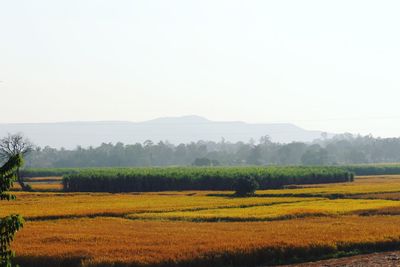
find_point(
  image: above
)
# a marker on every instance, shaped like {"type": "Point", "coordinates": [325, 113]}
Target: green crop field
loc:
{"type": "Point", "coordinates": [189, 178]}
{"type": "Point", "coordinates": [195, 178]}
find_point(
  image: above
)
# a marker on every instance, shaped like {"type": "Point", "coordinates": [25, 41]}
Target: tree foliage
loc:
{"type": "Point", "coordinates": [340, 150]}
{"type": "Point", "coordinates": [10, 224]}
{"type": "Point", "coordinates": [205, 162]}
{"type": "Point", "coordinates": [13, 145]}
{"type": "Point", "coordinates": [245, 186]}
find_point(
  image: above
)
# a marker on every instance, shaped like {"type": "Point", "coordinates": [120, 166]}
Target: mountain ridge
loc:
{"type": "Point", "coordinates": [183, 129]}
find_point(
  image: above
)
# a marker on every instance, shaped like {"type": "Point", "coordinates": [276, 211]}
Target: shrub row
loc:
{"type": "Point", "coordinates": [374, 169]}
{"type": "Point", "coordinates": [196, 178]}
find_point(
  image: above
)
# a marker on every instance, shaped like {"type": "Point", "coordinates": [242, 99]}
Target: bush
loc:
{"type": "Point", "coordinates": [245, 186]}
{"type": "Point", "coordinates": [374, 169]}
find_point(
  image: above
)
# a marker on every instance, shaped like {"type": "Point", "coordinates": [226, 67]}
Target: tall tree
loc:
{"type": "Point", "coordinates": [254, 157]}
{"type": "Point", "coordinates": [11, 224]}
{"type": "Point", "coordinates": [12, 145]}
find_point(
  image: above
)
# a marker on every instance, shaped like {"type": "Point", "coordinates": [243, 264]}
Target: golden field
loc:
{"type": "Point", "coordinates": [58, 205]}
{"type": "Point", "coordinates": [203, 228]}
{"type": "Point", "coordinates": [361, 185]}
{"type": "Point", "coordinates": [275, 212]}
{"type": "Point", "coordinates": [115, 240]}
{"type": "Point", "coordinates": [41, 186]}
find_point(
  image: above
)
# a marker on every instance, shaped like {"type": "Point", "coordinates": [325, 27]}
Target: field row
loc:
{"type": "Point", "coordinates": [361, 186]}
{"type": "Point", "coordinates": [378, 187]}
{"type": "Point", "coordinates": [357, 169]}
{"type": "Point", "coordinates": [60, 205]}
{"type": "Point", "coordinates": [190, 206]}
{"type": "Point", "coordinates": [206, 228]}
{"type": "Point", "coordinates": [107, 241]}
{"type": "Point", "coordinates": [281, 211]}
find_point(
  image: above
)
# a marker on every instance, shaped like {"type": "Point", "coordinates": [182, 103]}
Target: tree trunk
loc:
{"type": "Point", "coordinates": [21, 181]}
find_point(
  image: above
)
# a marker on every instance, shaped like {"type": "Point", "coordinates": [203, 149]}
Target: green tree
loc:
{"type": "Point", "coordinates": [315, 155]}
{"type": "Point", "coordinates": [254, 157]}
{"type": "Point", "coordinates": [12, 145]}
{"type": "Point", "coordinates": [11, 224]}
{"type": "Point", "coordinates": [245, 186]}
{"type": "Point", "coordinates": [290, 154]}
{"type": "Point", "coordinates": [205, 162]}
{"type": "Point", "coordinates": [202, 162]}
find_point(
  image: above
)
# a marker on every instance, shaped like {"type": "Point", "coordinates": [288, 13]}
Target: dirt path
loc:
{"type": "Point", "coordinates": [386, 259]}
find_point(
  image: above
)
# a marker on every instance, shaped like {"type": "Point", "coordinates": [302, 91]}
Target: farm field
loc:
{"type": "Point", "coordinates": [199, 133]}
{"type": "Point", "coordinates": [367, 186]}
{"type": "Point", "coordinates": [106, 241]}
{"type": "Point", "coordinates": [46, 184]}
{"type": "Point", "coordinates": [58, 205]}
{"type": "Point", "coordinates": [361, 186]}
{"type": "Point", "coordinates": [207, 228]}
{"type": "Point", "coordinates": [118, 180]}
{"type": "Point", "coordinates": [358, 169]}
{"type": "Point", "coordinates": [313, 207]}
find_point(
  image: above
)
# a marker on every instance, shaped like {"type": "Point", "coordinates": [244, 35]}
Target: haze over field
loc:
{"type": "Point", "coordinates": [325, 65]}
{"type": "Point", "coordinates": [174, 129]}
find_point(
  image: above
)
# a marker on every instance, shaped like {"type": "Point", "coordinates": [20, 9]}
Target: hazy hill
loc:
{"type": "Point", "coordinates": [174, 129]}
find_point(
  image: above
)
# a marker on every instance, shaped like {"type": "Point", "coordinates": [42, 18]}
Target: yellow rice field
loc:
{"type": "Point", "coordinates": [362, 185]}
{"type": "Point", "coordinates": [203, 228]}
{"type": "Point", "coordinates": [106, 241]}
{"type": "Point", "coordinates": [278, 211]}
{"type": "Point", "coordinates": [47, 205]}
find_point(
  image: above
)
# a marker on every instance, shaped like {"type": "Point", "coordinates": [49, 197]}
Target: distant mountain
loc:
{"type": "Point", "coordinates": [174, 129]}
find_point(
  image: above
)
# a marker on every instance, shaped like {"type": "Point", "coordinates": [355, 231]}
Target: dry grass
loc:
{"type": "Point", "coordinates": [389, 196]}
{"type": "Point", "coordinates": [361, 185]}
{"type": "Point", "coordinates": [381, 211]}
{"type": "Point", "coordinates": [61, 205]}
{"type": "Point", "coordinates": [277, 211]}
{"type": "Point", "coordinates": [115, 240]}
{"type": "Point", "coordinates": [43, 179]}
{"type": "Point", "coordinates": [41, 187]}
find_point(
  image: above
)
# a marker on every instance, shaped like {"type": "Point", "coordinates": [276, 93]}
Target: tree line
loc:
{"type": "Point", "coordinates": [339, 150]}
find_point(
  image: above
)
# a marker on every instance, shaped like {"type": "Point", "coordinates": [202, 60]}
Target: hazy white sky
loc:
{"type": "Point", "coordinates": [326, 65]}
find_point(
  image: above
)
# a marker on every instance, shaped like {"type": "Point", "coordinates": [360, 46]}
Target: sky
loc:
{"type": "Point", "coordinates": [323, 65]}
